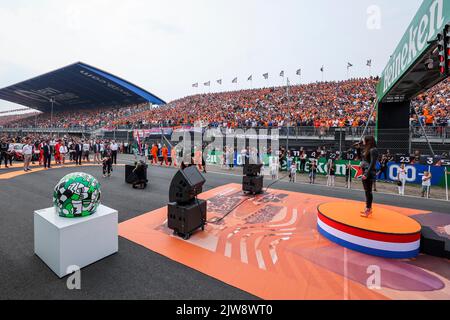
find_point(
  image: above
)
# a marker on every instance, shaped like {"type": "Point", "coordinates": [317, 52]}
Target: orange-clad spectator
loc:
{"type": "Point", "coordinates": [57, 154]}
{"type": "Point", "coordinates": [173, 154]}
{"type": "Point", "coordinates": [165, 155]}
{"type": "Point", "coordinates": [154, 152]}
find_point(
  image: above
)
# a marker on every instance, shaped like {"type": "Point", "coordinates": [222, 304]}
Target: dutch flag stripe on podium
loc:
{"type": "Point", "coordinates": [386, 234]}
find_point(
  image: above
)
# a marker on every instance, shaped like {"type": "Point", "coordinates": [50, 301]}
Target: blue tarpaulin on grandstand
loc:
{"type": "Point", "coordinates": [76, 86]}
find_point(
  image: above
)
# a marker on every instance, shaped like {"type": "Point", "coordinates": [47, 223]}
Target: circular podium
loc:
{"type": "Point", "coordinates": [385, 234]}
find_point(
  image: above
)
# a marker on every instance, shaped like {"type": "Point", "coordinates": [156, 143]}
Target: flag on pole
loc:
{"type": "Point", "coordinates": [282, 74]}
{"type": "Point", "coordinates": [195, 85]}
{"type": "Point", "coordinates": [207, 84]}
{"type": "Point", "coordinates": [369, 63]}
{"type": "Point", "coordinates": [250, 78]}
{"type": "Point", "coordinates": [299, 72]}
{"type": "Point", "coordinates": [322, 69]}
{"type": "Point", "coordinates": [266, 76]}
{"type": "Point", "coordinates": [219, 81]}
{"type": "Point", "coordinates": [349, 65]}
{"type": "Point", "coordinates": [234, 80]}
{"type": "Point", "coordinates": [138, 139]}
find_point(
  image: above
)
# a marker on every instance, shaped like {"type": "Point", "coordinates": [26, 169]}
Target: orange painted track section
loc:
{"type": "Point", "coordinates": [270, 247]}
{"type": "Point", "coordinates": [383, 220]}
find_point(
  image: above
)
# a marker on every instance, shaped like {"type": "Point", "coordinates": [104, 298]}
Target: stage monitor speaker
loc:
{"type": "Point", "coordinates": [252, 184]}
{"type": "Point", "coordinates": [184, 220]}
{"type": "Point", "coordinates": [186, 185]}
{"type": "Point", "coordinates": [252, 169]}
{"type": "Point", "coordinates": [130, 177]}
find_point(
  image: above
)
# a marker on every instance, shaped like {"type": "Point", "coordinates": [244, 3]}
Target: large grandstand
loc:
{"type": "Point", "coordinates": [327, 104]}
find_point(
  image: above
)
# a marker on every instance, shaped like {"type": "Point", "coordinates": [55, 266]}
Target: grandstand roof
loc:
{"type": "Point", "coordinates": [76, 86]}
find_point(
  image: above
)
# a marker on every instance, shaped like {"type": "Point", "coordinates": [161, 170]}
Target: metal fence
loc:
{"type": "Point", "coordinates": [416, 133]}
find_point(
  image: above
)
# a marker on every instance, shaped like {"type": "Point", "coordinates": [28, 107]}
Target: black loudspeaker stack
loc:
{"type": "Point", "coordinates": [252, 181]}
{"type": "Point", "coordinates": [186, 213]}
{"type": "Point", "coordinates": [131, 177]}
{"type": "Point", "coordinates": [185, 219]}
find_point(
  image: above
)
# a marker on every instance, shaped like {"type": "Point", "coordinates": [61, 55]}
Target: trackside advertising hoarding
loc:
{"type": "Point", "coordinates": [414, 172]}
{"type": "Point", "coordinates": [428, 22]}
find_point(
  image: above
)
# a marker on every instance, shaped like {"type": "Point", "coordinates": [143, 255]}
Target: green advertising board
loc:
{"type": "Point", "coordinates": [322, 166]}
{"type": "Point", "coordinates": [430, 20]}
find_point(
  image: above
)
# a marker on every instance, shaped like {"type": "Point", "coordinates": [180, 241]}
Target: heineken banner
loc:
{"type": "Point", "coordinates": [414, 172]}
{"type": "Point", "coordinates": [428, 22]}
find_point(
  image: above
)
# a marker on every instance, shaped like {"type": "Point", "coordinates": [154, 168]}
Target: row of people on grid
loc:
{"type": "Point", "coordinates": [402, 177]}
{"type": "Point", "coordinates": [312, 172]}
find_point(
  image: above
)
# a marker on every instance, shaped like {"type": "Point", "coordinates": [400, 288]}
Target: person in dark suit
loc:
{"type": "Point", "coordinates": [47, 153]}
{"type": "Point", "coordinates": [78, 153]}
{"type": "Point", "coordinates": [107, 161]}
{"type": "Point", "coordinates": [4, 152]}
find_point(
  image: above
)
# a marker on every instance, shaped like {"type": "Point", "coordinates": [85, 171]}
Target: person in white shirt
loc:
{"type": "Point", "coordinates": [86, 149]}
{"type": "Point", "coordinates": [401, 179]}
{"type": "Point", "coordinates": [27, 154]}
{"type": "Point", "coordinates": [10, 153]}
{"type": "Point", "coordinates": [114, 148]}
{"type": "Point", "coordinates": [274, 168]}
{"type": "Point", "coordinates": [63, 150]}
{"type": "Point", "coordinates": [293, 172]}
{"type": "Point", "coordinates": [426, 184]}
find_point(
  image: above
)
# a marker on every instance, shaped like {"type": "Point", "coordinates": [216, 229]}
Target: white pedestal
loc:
{"type": "Point", "coordinates": [63, 242]}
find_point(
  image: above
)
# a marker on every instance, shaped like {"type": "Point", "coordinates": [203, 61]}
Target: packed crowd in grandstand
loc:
{"type": "Point", "coordinates": [89, 118]}
{"type": "Point", "coordinates": [326, 104]}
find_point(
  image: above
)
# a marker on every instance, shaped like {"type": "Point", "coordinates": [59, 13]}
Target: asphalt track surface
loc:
{"type": "Point", "coordinates": [134, 272]}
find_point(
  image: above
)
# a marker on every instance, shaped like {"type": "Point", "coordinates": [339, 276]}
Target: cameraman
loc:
{"type": "Point", "coordinates": [139, 171]}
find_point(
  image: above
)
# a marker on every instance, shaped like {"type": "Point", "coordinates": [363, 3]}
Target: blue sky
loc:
{"type": "Point", "coordinates": [166, 46]}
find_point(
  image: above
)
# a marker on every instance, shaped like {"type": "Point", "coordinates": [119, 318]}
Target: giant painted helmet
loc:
{"type": "Point", "coordinates": [76, 195]}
